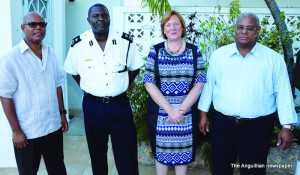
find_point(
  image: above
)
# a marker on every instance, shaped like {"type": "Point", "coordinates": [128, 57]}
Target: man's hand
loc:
{"type": "Point", "coordinates": [132, 75]}
{"type": "Point", "coordinates": [64, 123]}
{"type": "Point", "coordinates": [19, 139]}
{"type": "Point", "coordinates": [77, 79]}
{"type": "Point", "coordinates": [284, 138]}
{"type": "Point", "coordinates": [203, 123]}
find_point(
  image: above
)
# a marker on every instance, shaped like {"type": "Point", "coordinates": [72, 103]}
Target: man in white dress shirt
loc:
{"type": "Point", "coordinates": [104, 63]}
{"type": "Point", "coordinates": [247, 83]}
{"type": "Point", "coordinates": [31, 96]}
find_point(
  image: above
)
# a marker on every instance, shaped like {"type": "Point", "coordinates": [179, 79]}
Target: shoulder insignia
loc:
{"type": "Point", "coordinates": [91, 42]}
{"type": "Point", "coordinates": [76, 40]}
{"type": "Point", "coordinates": [127, 37]}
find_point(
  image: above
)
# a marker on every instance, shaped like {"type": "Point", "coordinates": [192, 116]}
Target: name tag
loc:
{"type": "Point", "coordinates": [88, 60]}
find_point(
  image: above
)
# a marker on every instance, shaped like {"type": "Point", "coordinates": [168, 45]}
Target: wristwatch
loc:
{"type": "Point", "coordinates": [63, 111]}
{"type": "Point", "coordinates": [290, 127]}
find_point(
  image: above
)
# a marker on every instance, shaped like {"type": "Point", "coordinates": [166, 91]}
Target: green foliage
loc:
{"type": "Point", "coordinates": [138, 97]}
{"type": "Point", "coordinates": [218, 31]}
{"type": "Point", "coordinates": [157, 6]}
{"type": "Point", "coordinates": [205, 149]}
{"type": "Point", "coordinates": [214, 32]}
{"type": "Point", "coordinates": [272, 37]}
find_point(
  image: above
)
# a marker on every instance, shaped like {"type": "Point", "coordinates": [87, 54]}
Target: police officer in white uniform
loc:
{"type": "Point", "coordinates": [104, 63]}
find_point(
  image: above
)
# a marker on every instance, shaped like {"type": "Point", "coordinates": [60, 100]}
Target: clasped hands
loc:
{"type": "Point", "coordinates": [176, 115]}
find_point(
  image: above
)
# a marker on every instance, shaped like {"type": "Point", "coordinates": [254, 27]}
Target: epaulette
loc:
{"type": "Point", "coordinates": [76, 40]}
{"type": "Point", "coordinates": [127, 37]}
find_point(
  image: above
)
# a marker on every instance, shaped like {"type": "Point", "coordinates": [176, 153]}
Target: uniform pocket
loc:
{"type": "Point", "coordinates": [120, 70]}
{"type": "Point", "coordinates": [88, 64]}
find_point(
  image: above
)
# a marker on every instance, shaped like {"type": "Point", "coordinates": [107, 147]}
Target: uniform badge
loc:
{"type": "Point", "coordinates": [76, 40]}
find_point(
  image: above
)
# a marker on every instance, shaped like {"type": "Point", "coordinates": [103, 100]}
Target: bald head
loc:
{"type": "Point", "coordinates": [34, 28]}
{"type": "Point", "coordinates": [28, 17]}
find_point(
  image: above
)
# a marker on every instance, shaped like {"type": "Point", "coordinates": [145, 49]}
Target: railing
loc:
{"type": "Point", "coordinates": [146, 29]}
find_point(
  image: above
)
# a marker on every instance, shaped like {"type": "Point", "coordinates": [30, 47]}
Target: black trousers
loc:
{"type": "Point", "coordinates": [114, 119]}
{"type": "Point", "coordinates": [50, 147]}
{"type": "Point", "coordinates": [249, 141]}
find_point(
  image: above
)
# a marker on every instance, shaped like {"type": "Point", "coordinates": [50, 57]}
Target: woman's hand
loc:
{"type": "Point", "coordinates": [176, 115]}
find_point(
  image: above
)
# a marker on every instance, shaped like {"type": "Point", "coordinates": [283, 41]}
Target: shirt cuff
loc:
{"type": "Point", "coordinates": [6, 95]}
{"type": "Point", "coordinates": [203, 107]}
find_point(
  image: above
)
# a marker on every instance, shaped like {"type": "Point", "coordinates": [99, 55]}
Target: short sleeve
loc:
{"type": "Point", "coordinates": [135, 59]}
{"type": "Point", "coordinates": [8, 78]}
{"type": "Point", "coordinates": [200, 73]}
{"type": "Point", "coordinates": [71, 63]}
{"type": "Point", "coordinates": [149, 76]}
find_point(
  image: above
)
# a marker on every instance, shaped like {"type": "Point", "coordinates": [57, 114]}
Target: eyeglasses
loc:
{"type": "Point", "coordinates": [248, 29]}
{"type": "Point", "coordinates": [35, 24]}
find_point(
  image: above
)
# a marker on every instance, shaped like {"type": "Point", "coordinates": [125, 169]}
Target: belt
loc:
{"type": "Point", "coordinates": [238, 119]}
{"type": "Point", "coordinates": [107, 99]}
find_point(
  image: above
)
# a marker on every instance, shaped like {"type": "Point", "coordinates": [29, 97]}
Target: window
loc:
{"type": "Point", "coordinates": [38, 6]}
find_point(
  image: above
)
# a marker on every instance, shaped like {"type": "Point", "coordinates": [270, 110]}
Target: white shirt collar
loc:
{"type": "Point", "coordinates": [24, 47]}
{"type": "Point", "coordinates": [233, 50]}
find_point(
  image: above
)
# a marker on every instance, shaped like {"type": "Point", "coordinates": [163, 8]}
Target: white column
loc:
{"type": "Point", "coordinates": [136, 3]}
{"type": "Point", "coordinates": [59, 40]}
{"type": "Point", "coordinates": [297, 168]}
{"type": "Point", "coordinates": [7, 158]}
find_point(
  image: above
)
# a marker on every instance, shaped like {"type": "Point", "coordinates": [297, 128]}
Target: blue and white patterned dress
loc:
{"type": "Point", "coordinates": [174, 142]}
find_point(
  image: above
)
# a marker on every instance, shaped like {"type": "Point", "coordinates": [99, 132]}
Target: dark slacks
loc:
{"type": "Point", "coordinates": [50, 147]}
{"type": "Point", "coordinates": [114, 119]}
{"type": "Point", "coordinates": [249, 141]}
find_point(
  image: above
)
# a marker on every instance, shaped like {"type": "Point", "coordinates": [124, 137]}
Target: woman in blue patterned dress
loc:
{"type": "Point", "coordinates": [174, 78]}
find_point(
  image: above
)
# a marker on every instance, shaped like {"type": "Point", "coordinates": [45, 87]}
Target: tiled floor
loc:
{"type": "Point", "coordinates": [77, 158]}
{"type": "Point", "coordinates": [78, 162]}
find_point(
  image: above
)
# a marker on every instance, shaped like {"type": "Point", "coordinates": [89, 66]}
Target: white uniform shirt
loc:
{"type": "Point", "coordinates": [98, 69]}
{"type": "Point", "coordinates": [248, 87]}
{"type": "Point", "coordinates": [32, 84]}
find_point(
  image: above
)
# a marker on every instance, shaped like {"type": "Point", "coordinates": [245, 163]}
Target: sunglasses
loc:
{"type": "Point", "coordinates": [35, 24]}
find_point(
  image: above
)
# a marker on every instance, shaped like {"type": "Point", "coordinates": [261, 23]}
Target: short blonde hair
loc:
{"type": "Point", "coordinates": [167, 17]}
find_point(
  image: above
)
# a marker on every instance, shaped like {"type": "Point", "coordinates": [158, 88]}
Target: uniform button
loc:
{"type": "Point", "coordinates": [104, 55]}
{"type": "Point", "coordinates": [105, 73]}
{"type": "Point", "coordinates": [107, 84]}
{"type": "Point", "coordinates": [104, 62]}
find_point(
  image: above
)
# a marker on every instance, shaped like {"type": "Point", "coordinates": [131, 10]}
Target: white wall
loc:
{"type": "Point", "coordinates": [223, 3]}
{"type": "Point", "coordinates": [7, 158]}
{"type": "Point", "coordinates": [16, 21]}
{"type": "Point", "coordinates": [59, 42]}
{"type": "Point", "coordinates": [76, 23]}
